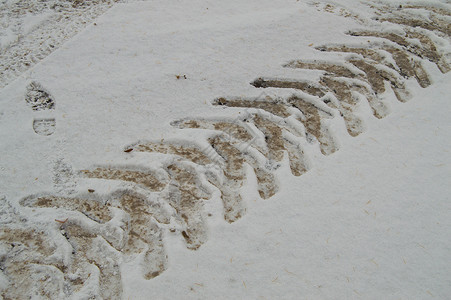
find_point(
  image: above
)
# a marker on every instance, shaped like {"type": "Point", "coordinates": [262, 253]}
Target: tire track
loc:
{"type": "Point", "coordinates": [99, 233]}
{"type": "Point", "coordinates": [61, 20]}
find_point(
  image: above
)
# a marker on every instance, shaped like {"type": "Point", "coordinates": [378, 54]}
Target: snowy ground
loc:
{"type": "Point", "coordinates": [370, 220]}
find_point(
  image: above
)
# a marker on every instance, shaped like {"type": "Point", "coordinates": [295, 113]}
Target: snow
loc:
{"type": "Point", "coordinates": [33, 21]}
{"type": "Point", "coordinates": [370, 221]}
{"type": "Point", "coordinates": [118, 85]}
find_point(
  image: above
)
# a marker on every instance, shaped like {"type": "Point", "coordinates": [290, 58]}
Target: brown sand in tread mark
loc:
{"type": "Point", "coordinates": [342, 12]}
{"type": "Point", "coordinates": [335, 69]}
{"type": "Point", "coordinates": [307, 87]}
{"type": "Point", "coordinates": [190, 153]}
{"type": "Point", "coordinates": [380, 110]}
{"type": "Point", "coordinates": [276, 107]}
{"type": "Point", "coordinates": [88, 249]}
{"type": "Point", "coordinates": [234, 130]}
{"type": "Point", "coordinates": [428, 49]}
{"type": "Point", "coordinates": [145, 179]}
{"type": "Point", "coordinates": [439, 11]}
{"type": "Point", "coordinates": [365, 52]}
{"type": "Point", "coordinates": [272, 106]}
{"type": "Point", "coordinates": [420, 74]}
{"type": "Point", "coordinates": [273, 137]}
{"type": "Point", "coordinates": [30, 239]}
{"type": "Point", "coordinates": [186, 199]}
{"type": "Point", "coordinates": [230, 127]}
{"type": "Point", "coordinates": [436, 25]}
{"type": "Point", "coordinates": [376, 78]}
{"type": "Point", "coordinates": [267, 186]}
{"type": "Point", "coordinates": [313, 124]}
{"type": "Point", "coordinates": [91, 208]}
{"type": "Point", "coordinates": [234, 177]}
{"type": "Point", "coordinates": [389, 9]}
{"type": "Point", "coordinates": [28, 251]}
{"type": "Point", "coordinates": [145, 234]}
{"type": "Point", "coordinates": [277, 145]}
{"type": "Point", "coordinates": [438, 17]}
{"type": "Point", "coordinates": [407, 66]}
{"type": "Point", "coordinates": [233, 169]}
{"type": "Point", "coordinates": [266, 180]}
{"type": "Point", "coordinates": [389, 36]}
{"type": "Point", "coordinates": [346, 103]}
{"type": "Point", "coordinates": [296, 158]}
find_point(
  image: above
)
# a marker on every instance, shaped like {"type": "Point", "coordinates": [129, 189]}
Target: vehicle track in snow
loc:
{"type": "Point", "coordinates": [100, 232]}
{"type": "Point", "coordinates": [32, 30]}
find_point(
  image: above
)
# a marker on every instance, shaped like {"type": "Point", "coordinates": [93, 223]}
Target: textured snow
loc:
{"type": "Point", "coordinates": [370, 221]}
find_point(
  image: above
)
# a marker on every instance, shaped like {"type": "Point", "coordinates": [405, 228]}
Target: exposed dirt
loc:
{"type": "Point", "coordinates": [277, 145]}
{"type": "Point", "coordinates": [145, 179]}
{"type": "Point", "coordinates": [437, 24]}
{"type": "Point", "coordinates": [436, 10]}
{"type": "Point", "coordinates": [234, 130]}
{"type": "Point", "coordinates": [145, 234]}
{"type": "Point", "coordinates": [190, 153]}
{"type": "Point", "coordinates": [330, 68]}
{"type": "Point", "coordinates": [92, 252]}
{"type": "Point", "coordinates": [427, 51]}
{"type": "Point", "coordinates": [307, 87]}
{"type": "Point", "coordinates": [90, 208]}
{"type": "Point", "coordinates": [38, 98]}
{"type": "Point", "coordinates": [345, 105]}
{"type": "Point", "coordinates": [365, 52]}
{"type": "Point", "coordinates": [142, 234]}
{"type": "Point", "coordinates": [234, 176]}
{"type": "Point", "coordinates": [270, 105]}
{"type": "Point", "coordinates": [406, 66]}
{"type": "Point", "coordinates": [376, 78]}
{"type": "Point", "coordinates": [186, 198]}
{"type": "Point", "coordinates": [230, 127]}
{"type": "Point", "coordinates": [313, 123]}
{"type": "Point", "coordinates": [25, 259]}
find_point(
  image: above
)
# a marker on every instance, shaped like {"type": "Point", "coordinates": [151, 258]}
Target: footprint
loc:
{"type": "Point", "coordinates": [44, 127]}
{"type": "Point", "coordinates": [41, 100]}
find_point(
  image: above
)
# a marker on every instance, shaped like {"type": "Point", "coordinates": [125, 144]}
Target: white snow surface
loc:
{"type": "Point", "coordinates": [371, 221]}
